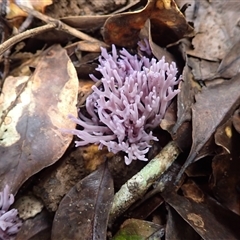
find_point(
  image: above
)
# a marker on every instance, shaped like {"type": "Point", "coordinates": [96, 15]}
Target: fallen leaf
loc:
{"type": "Point", "coordinates": [211, 40]}
{"type": "Point", "coordinates": [230, 65]}
{"type": "Point", "coordinates": [236, 120]}
{"type": "Point", "coordinates": [210, 111]}
{"type": "Point", "coordinates": [88, 22]}
{"type": "Point", "coordinates": [225, 176]}
{"type": "Point", "coordinates": [202, 69]}
{"type": "Point", "coordinates": [167, 22]}
{"type": "Point", "coordinates": [147, 207]}
{"type": "Point", "coordinates": [185, 98]}
{"type": "Point", "coordinates": [83, 212]}
{"type": "Point", "coordinates": [14, 11]}
{"type": "Point", "coordinates": [176, 227]}
{"type": "Point", "coordinates": [205, 215]}
{"type": "Point", "coordinates": [33, 110]}
{"type": "Point", "coordinates": [123, 29]}
{"type": "Point", "coordinates": [223, 136]}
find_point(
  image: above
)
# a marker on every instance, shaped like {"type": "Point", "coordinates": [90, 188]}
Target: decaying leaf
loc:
{"type": "Point", "coordinates": [33, 110]}
{"type": "Point", "coordinates": [167, 22]}
{"type": "Point", "coordinates": [86, 22]}
{"type": "Point", "coordinates": [38, 227]}
{"type": "Point", "coordinates": [185, 98]}
{"type": "Point", "coordinates": [147, 207]}
{"type": "Point", "coordinates": [223, 136]}
{"type": "Point", "coordinates": [236, 120]}
{"type": "Point", "coordinates": [14, 11]}
{"type": "Point", "coordinates": [211, 41]}
{"type": "Point", "coordinates": [211, 110]}
{"type": "Point", "coordinates": [206, 216]}
{"type": "Point", "coordinates": [230, 65]}
{"type": "Point", "coordinates": [202, 69]}
{"type": "Point", "coordinates": [123, 29]}
{"type": "Point", "coordinates": [176, 226]}
{"type": "Point", "coordinates": [226, 178]}
{"type": "Point", "coordinates": [83, 212]}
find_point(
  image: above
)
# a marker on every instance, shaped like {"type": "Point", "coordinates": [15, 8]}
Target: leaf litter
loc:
{"type": "Point", "coordinates": [43, 82]}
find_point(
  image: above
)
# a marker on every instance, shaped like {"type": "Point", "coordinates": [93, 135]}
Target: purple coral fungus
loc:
{"type": "Point", "coordinates": [144, 46]}
{"type": "Point", "coordinates": [9, 220]}
{"type": "Point", "coordinates": [131, 101]}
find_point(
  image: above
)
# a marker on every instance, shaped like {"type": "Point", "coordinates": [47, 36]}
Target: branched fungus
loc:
{"type": "Point", "coordinates": [9, 220]}
{"type": "Point", "coordinates": [131, 101]}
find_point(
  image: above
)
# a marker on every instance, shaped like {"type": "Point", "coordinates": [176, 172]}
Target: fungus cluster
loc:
{"type": "Point", "coordinates": [10, 223]}
{"type": "Point", "coordinates": [131, 101]}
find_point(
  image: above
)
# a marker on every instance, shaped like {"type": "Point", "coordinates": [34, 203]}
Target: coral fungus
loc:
{"type": "Point", "coordinates": [131, 101]}
{"type": "Point", "coordinates": [9, 220]}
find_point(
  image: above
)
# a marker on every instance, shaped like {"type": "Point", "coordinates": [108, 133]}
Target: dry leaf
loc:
{"type": "Point", "coordinates": [226, 178]}
{"type": "Point", "coordinates": [14, 11]}
{"type": "Point", "coordinates": [176, 227]}
{"type": "Point", "coordinates": [33, 110]}
{"type": "Point", "coordinates": [223, 136]}
{"type": "Point", "coordinates": [185, 98]}
{"type": "Point", "coordinates": [38, 227]}
{"type": "Point", "coordinates": [206, 216]}
{"type": "Point", "coordinates": [210, 42]}
{"type": "Point", "coordinates": [211, 110]}
{"type": "Point", "coordinates": [167, 22]}
{"type": "Point", "coordinates": [230, 65]}
{"type": "Point", "coordinates": [83, 212]}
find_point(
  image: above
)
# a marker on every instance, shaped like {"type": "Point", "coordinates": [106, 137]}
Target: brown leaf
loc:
{"type": "Point", "coordinates": [212, 39]}
{"type": "Point", "coordinates": [147, 207]}
{"type": "Point", "coordinates": [33, 110]}
{"type": "Point", "coordinates": [85, 46]}
{"type": "Point", "coordinates": [185, 98]}
{"type": "Point", "coordinates": [86, 22]}
{"type": "Point", "coordinates": [202, 69]}
{"type": "Point", "coordinates": [167, 22]}
{"type": "Point", "coordinates": [177, 228]}
{"type": "Point", "coordinates": [206, 216]}
{"type": "Point", "coordinates": [83, 212]}
{"type": "Point", "coordinates": [123, 29]}
{"type": "Point", "coordinates": [236, 120]}
{"type": "Point", "coordinates": [213, 106]}
{"type": "Point", "coordinates": [14, 11]}
{"type": "Point", "coordinates": [223, 136]}
{"type": "Point", "coordinates": [226, 176]}
{"type": "Point", "coordinates": [230, 65]}
{"type": "Point", "coordinates": [37, 228]}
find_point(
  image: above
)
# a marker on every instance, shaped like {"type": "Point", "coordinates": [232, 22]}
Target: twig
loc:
{"type": "Point", "coordinates": [137, 186]}
{"type": "Point", "coordinates": [27, 34]}
{"type": "Point", "coordinates": [61, 26]}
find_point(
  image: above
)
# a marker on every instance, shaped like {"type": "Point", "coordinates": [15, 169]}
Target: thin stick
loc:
{"type": "Point", "coordinates": [27, 34]}
{"type": "Point", "coordinates": [61, 26]}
